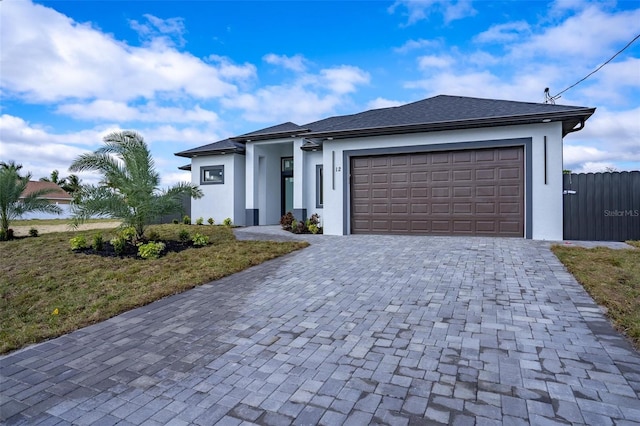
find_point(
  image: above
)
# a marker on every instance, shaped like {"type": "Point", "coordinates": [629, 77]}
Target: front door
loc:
{"type": "Point", "coordinates": [287, 185]}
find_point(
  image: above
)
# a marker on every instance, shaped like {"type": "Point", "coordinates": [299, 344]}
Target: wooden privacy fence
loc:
{"type": "Point", "coordinates": [602, 206]}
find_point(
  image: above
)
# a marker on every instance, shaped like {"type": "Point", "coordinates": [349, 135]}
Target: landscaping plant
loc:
{"type": "Point", "coordinates": [227, 222]}
{"type": "Point", "coordinates": [211, 221]}
{"type": "Point", "coordinates": [129, 189]}
{"type": "Point", "coordinates": [12, 206]}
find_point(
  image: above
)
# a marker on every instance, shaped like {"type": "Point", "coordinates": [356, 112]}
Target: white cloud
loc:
{"type": "Point", "coordinates": [502, 33]}
{"type": "Point", "coordinates": [418, 10]}
{"type": "Point", "coordinates": [576, 38]}
{"type": "Point", "coordinates": [48, 57]}
{"type": "Point", "coordinates": [112, 110]}
{"type": "Point", "coordinates": [171, 30]}
{"type": "Point", "coordinates": [383, 103]}
{"type": "Point", "coordinates": [433, 61]}
{"type": "Point", "coordinates": [594, 167]}
{"type": "Point", "coordinates": [308, 97]}
{"type": "Point", "coordinates": [296, 63]}
{"type": "Point", "coordinates": [410, 45]}
{"type": "Point", "coordinates": [41, 151]}
{"type": "Point", "coordinates": [343, 79]}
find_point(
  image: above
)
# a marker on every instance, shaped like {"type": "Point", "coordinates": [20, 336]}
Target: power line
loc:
{"type": "Point", "coordinates": [551, 99]}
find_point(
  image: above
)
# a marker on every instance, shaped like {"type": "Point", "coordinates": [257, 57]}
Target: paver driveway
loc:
{"type": "Point", "coordinates": [352, 330]}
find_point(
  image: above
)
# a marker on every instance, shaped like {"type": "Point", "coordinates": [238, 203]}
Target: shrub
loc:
{"type": "Point", "coordinates": [128, 233]}
{"type": "Point", "coordinates": [199, 221]}
{"type": "Point", "coordinates": [200, 240]}
{"type": "Point", "coordinates": [184, 236]}
{"type": "Point", "coordinates": [78, 243]}
{"type": "Point", "coordinates": [299, 227]}
{"type": "Point", "coordinates": [153, 235]}
{"type": "Point", "coordinates": [150, 250]}
{"type": "Point", "coordinates": [33, 232]}
{"type": "Point", "coordinates": [6, 236]}
{"type": "Point", "coordinates": [287, 220]}
{"type": "Point", "coordinates": [119, 244]}
{"type": "Point", "coordinates": [313, 228]}
{"type": "Point", "coordinates": [211, 221]}
{"type": "Point", "coordinates": [227, 222]}
{"type": "Point", "coordinates": [176, 221]}
{"type": "Point", "coordinates": [186, 220]}
{"type": "Point", "coordinates": [98, 242]}
{"type": "Point", "coordinates": [314, 219]}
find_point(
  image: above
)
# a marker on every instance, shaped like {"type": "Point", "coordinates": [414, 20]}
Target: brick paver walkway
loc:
{"type": "Point", "coordinates": [352, 330]}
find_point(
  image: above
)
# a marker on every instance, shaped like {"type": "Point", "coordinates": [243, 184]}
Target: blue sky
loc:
{"type": "Point", "coordinates": [188, 73]}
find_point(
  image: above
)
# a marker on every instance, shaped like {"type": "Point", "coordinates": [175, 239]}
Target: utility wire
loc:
{"type": "Point", "coordinates": [553, 98]}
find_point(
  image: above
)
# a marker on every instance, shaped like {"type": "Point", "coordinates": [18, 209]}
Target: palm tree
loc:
{"type": "Point", "coordinates": [12, 186]}
{"type": "Point", "coordinates": [73, 185]}
{"type": "Point", "coordinates": [54, 177]}
{"type": "Point", "coordinates": [132, 194]}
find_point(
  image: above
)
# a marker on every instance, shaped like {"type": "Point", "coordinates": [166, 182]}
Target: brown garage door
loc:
{"type": "Point", "coordinates": [467, 192]}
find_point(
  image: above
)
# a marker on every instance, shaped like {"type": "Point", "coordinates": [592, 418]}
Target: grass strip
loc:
{"type": "Point", "coordinates": [47, 290]}
{"type": "Point", "coordinates": [612, 278]}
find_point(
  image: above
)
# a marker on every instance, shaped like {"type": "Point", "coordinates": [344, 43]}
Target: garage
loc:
{"type": "Point", "coordinates": [462, 192]}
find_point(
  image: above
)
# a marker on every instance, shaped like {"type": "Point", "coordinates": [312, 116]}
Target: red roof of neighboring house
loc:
{"type": "Point", "coordinates": [56, 194]}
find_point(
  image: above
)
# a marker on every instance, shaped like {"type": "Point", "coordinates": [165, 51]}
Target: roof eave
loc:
{"type": "Point", "coordinates": [573, 118]}
{"type": "Point", "coordinates": [267, 136]}
{"type": "Point", "coordinates": [190, 154]}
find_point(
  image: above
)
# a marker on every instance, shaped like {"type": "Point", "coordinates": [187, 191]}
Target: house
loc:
{"type": "Point", "coordinates": [57, 196]}
{"type": "Point", "coordinates": [446, 165]}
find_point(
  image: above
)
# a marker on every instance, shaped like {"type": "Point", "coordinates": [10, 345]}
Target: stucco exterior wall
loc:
{"type": "Point", "coordinates": [311, 160]}
{"type": "Point", "coordinates": [220, 200]}
{"type": "Point", "coordinates": [546, 197]}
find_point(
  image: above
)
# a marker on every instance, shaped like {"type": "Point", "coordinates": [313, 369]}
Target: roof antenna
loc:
{"type": "Point", "coordinates": [548, 99]}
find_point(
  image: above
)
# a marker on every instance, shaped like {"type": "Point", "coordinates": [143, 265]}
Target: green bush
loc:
{"type": "Point", "coordinates": [78, 243]}
{"type": "Point", "coordinates": [184, 236]}
{"type": "Point", "coordinates": [128, 234]}
{"type": "Point", "coordinates": [176, 221]}
{"type": "Point", "coordinates": [227, 222]}
{"type": "Point", "coordinates": [211, 221]}
{"type": "Point", "coordinates": [313, 228]}
{"type": "Point", "coordinates": [119, 244]}
{"type": "Point", "coordinates": [200, 240]}
{"type": "Point", "coordinates": [33, 232]}
{"type": "Point", "coordinates": [98, 242]}
{"type": "Point", "coordinates": [199, 221]}
{"type": "Point", "coordinates": [153, 235]}
{"type": "Point", "coordinates": [6, 236]}
{"type": "Point", "coordinates": [150, 250]}
{"type": "Point", "coordinates": [186, 220]}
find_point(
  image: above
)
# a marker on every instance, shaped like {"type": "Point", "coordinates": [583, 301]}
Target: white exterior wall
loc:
{"type": "Point", "coordinates": [546, 199]}
{"type": "Point", "coordinates": [220, 200]}
{"type": "Point", "coordinates": [311, 160]}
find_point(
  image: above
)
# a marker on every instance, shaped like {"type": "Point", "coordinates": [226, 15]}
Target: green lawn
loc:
{"type": "Point", "coordinates": [41, 222]}
{"type": "Point", "coordinates": [612, 278]}
{"type": "Point", "coordinates": [42, 274]}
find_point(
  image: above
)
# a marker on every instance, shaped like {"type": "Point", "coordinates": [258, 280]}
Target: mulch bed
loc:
{"type": "Point", "coordinates": [131, 251]}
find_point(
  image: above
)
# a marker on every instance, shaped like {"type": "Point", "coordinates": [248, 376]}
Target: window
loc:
{"type": "Point", "coordinates": [319, 186]}
{"type": "Point", "coordinates": [210, 175]}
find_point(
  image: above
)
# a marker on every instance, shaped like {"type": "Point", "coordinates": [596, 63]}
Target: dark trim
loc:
{"type": "Point", "coordinates": [453, 146]}
{"type": "Point", "coordinates": [252, 217]}
{"type": "Point", "coordinates": [300, 214]}
{"type": "Point", "coordinates": [319, 186]}
{"type": "Point", "coordinates": [283, 186]}
{"type": "Point", "coordinates": [209, 168]}
{"type": "Point", "coordinates": [571, 116]}
{"type": "Point", "coordinates": [545, 160]}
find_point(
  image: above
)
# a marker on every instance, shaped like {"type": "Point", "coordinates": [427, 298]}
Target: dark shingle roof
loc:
{"type": "Point", "coordinates": [446, 111]}
{"type": "Point", "coordinates": [287, 128]}
{"type": "Point", "coordinates": [440, 112]}
{"type": "Point", "coordinates": [220, 147]}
